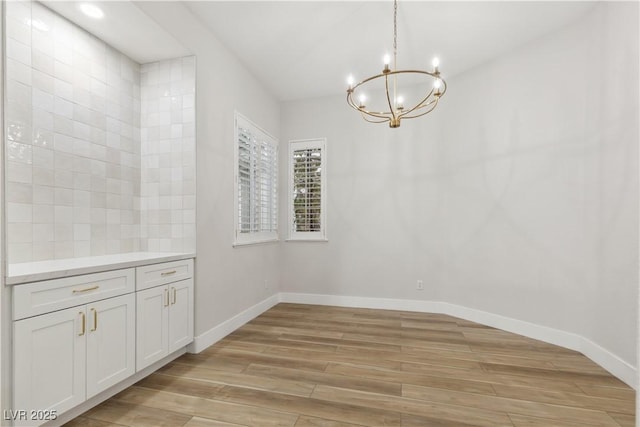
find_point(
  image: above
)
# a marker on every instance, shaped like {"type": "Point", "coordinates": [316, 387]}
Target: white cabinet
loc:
{"type": "Point", "coordinates": [78, 336]}
{"type": "Point", "coordinates": [151, 326]}
{"type": "Point", "coordinates": [164, 321]}
{"type": "Point", "coordinates": [62, 358]}
{"type": "Point", "coordinates": [49, 361]}
{"type": "Point", "coordinates": [180, 314]}
{"type": "Point", "coordinates": [110, 342]}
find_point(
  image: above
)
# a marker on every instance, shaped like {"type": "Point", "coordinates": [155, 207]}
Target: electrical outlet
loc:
{"type": "Point", "coordinates": [266, 284]}
{"type": "Point", "coordinates": [420, 285]}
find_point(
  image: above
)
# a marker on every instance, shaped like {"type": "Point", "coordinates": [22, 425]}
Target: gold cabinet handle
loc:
{"type": "Point", "coordinates": [168, 273]}
{"type": "Point", "coordinates": [166, 297]}
{"type": "Point", "coordinates": [173, 301]}
{"type": "Point", "coordinates": [95, 320]}
{"type": "Point", "coordinates": [84, 324]}
{"type": "Point", "coordinates": [92, 288]}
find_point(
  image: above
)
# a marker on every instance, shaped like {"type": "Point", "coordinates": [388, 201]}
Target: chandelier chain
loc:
{"type": "Point", "coordinates": [395, 33]}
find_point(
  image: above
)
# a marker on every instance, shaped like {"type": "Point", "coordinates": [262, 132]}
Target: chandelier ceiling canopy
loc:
{"type": "Point", "coordinates": [427, 87]}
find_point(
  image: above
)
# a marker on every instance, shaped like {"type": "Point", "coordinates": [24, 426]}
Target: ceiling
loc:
{"type": "Point", "coordinates": [306, 49]}
{"type": "Point", "coordinates": [303, 49]}
{"type": "Point", "coordinates": [125, 27]}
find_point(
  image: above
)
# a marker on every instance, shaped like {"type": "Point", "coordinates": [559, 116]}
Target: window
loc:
{"type": "Point", "coordinates": [307, 190]}
{"type": "Point", "coordinates": [256, 184]}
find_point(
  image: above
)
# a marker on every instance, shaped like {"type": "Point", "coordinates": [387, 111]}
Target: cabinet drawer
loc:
{"type": "Point", "coordinates": [153, 275]}
{"type": "Point", "coordinates": [43, 297]}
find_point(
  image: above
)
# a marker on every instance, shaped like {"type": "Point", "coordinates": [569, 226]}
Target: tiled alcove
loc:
{"type": "Point", "coordinates": [90, 172]}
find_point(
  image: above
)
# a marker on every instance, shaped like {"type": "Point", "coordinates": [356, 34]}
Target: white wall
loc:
{"type": "Point", "coordinates": [228, 280]}
{"type": "Point", "coordinates": [517, 196]}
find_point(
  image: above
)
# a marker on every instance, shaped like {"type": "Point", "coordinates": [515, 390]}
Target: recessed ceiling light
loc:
{"type": "Point", "coordinates": [91, 10]}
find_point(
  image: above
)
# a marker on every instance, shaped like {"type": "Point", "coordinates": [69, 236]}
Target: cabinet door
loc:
{"type": "Point", "coordinates": [180, 314]}
{"type": "Point", "coordinates": [111, 341]}
{"type": "Point", "coordinates": [152, 323]}
{"type": "Point", "coordinates": [49, 357]}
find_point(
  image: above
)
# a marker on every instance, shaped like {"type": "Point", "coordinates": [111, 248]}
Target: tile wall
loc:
{"type": "Point", "coordinates": [168, 193]}
{"type": "Point", "coordinates": [74, 144]}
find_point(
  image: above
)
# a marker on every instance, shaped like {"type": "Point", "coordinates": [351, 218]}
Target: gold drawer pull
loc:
{"type": "Point", "coordinates": [84, 324]}
{"type": "Point", "coordinates": [79, 291]}
{"type": "Point", "coordinates": [95, 320]}
{"type": "Point", "coordinates": [168, 273]}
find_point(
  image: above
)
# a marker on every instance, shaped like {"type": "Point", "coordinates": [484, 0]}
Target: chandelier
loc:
{"type": "Point", "coordinates": [392, 108]}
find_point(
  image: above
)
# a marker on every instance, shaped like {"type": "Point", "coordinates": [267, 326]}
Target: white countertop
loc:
{"type": "Point", "coordinates": [54, 269]}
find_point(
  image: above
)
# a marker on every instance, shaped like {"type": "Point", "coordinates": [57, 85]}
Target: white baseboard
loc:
{"type": "Point", "coordinates": [609, 361]}
{"type": "Point", "coordinates": [216, 333]}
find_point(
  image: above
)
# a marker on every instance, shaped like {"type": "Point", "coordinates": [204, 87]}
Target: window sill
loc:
{"type": "Point", "coordinates": [259, 242]}
{"type": "Point", "coordinates": [321, 240]}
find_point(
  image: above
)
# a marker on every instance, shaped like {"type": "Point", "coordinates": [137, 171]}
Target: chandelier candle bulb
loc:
{"type": "Point", "coordinates": [391, 108]}
{"type": "Point", "coordinates": [350, 81]}
{"type": "Point", "coordinates": [435, 63]}
{"type": "Point", "coordinates": [437, 84]}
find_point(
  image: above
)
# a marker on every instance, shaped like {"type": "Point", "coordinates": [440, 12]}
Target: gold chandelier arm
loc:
{"type": "Point", "coordinates": [418, 105]}
{"type": "Point", "coordinates": [431, 104]}
{"type": "Point", "coordinates": [382, 115]}
{"type": "Point", "coordinates": [386, 86]}
{"type": "Point", "coordinates": [350, 101]}
{"type": "Point", "coordinates": [364, 116]}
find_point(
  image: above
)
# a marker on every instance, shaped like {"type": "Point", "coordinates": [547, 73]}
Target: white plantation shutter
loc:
{"type": "Point", "coordinates": [256, 184]}
{"type": "Point", "coordinates": [307, 186]}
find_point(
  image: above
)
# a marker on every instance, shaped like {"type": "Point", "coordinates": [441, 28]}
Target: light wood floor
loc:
{"type": "Point", "coordinates": [304, 366]}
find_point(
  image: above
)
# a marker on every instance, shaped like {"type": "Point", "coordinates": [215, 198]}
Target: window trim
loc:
{"type": "Point", "coordinates": [252, 238]}
{"type": "Point", "coordinates": [308, 236]}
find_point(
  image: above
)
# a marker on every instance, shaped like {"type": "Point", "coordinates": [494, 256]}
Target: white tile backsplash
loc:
{"type": "Point", "coordinates": [91, 139]}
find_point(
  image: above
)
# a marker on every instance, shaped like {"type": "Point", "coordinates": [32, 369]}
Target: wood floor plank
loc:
{"type": "Point", "coordinates": [90, 422]}
{"type": "Point", "coordinates": [515, 406]}
{"type": "Point", "coordinates": [625, 420]}
{"type": "Point", "coordinates": [436, 410]}
{"type": "Point", "coordinates": [417, 373]}
{"type": "Point", "coordinates": [275, 340]}
{"type": "Point", "coordinates": [290, 329]}
{"type": "Point", "coordinates": [624, 393]}
{"type": "Point", "coordinates": [133, 414]}
{"type": "Point", "coordinates": [183, 377]}
{"type": "Point", "coordinates": [215, 361]}
{"type": "Point", "coordinates": [304, 421]}
{"type": "Point", "coordinates": [429, 343]}
{"type": "Point", "coordinates": [524, 421]}
{"type": "Point", "coordinates": [187, 386]}
{"type": "Point", "coordinates": [623, 406]}
{"type": "Point", "coordinates": [576, 377]}
{"type": "Point", "coordinates": [356, 357]}
{"type": "Point", "coordinates": [336, 411]}
{"type": "Point", "coordinates": [204, 422]}
{"type": "Point", "coordinates": [343, 342]}
{"type": "Point", "coordinates": [409, 378]}
{"type": "Point", "coordinates": [409, 420]}
{"type": "Point", "coordinates": [207, 408]}
{"type": "Point", "coordinates": [320, 366]}
{"type": "Point", "coordinates": [315, 378]}
{"type": "Point", "coordinates": [273, 360]}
